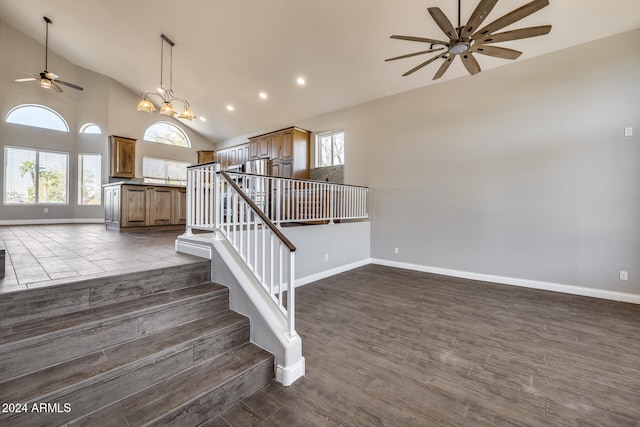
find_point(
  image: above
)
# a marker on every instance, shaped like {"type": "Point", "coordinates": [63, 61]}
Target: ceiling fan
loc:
{"type": "Point", "coordinates": [46, 78]}
{"type": "Point", "coordinates": [466, 40]}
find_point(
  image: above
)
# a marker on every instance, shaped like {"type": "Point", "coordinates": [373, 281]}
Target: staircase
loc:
{"type": "Point", "coordinates": [158, 347]}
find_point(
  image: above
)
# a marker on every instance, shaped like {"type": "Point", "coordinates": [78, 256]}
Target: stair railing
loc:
{"type": "Point", "coordinates": [216, 202]}
{"type": "Point", "coordinates": [296, 200]}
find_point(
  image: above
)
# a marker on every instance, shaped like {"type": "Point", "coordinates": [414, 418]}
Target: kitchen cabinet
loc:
{"type": "Point", "coordinates": [288, 150]}
{"type": "Point", "coordinates": [122, 155]}
{"type": "Point", "coordinates": [206, 156]}
{"type": "Point", "coordinates": [111, 202]}
{"type": "Point", "coordinates": [259, 148]}
{"type": "Point", "coordinates": [282, 169]}
{"type": "Point", "coordinates": [160, 205]}
{"type": "Point", "coordinates": [142, 207]}
{"type": "Point", "coordinates": [233, 156]}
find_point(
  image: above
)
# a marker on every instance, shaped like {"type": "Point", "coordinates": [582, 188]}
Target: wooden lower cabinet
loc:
{"type": "Point", "coordinates": [144, 207]}
{"type": "Point", "coordinates": [134, 207]}
{"type": "Point", "coordinates": [180, 206]}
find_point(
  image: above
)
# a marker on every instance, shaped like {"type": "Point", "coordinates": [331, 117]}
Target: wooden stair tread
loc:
{"type": "Point", "coordinates": [148, 405]}
{"type": "Point", "coordinates": [116, 359]}
{"type": "Point", "coordinates": [68, 321]}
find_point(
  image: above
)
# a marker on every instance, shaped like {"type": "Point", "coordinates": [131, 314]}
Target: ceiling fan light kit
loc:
{"type": "Point", "coordinates": [47, 79]}
{"type": "Point", "coordinates": [466, 40]}
{"type": "Point", "coordinates": [164, 94]}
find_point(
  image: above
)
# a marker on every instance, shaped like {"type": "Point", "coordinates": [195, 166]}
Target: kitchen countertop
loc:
{"type": "Point", "coordinates": [145, 184]}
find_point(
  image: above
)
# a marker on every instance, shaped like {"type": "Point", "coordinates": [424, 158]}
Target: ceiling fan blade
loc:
{"type": "Point", "coordinates": [71, 85]}
{"type": "Point", "coordinates": [444, 67]}
{"type": "Point", "coordinates": [425, 63]}
{"type": "Point", "coordinates": [27, 79]}
{"type": "Point", "coordinates": [414, 54]}
{"type": "Point", "coordinates": [511, 17]}
{"type": "Point", "coordinates": [470, 63]}
{"type": "Point", "coordinates": [498, 52]}
{"type": "Point", "coordinates": [478, 16]}
{"type": "Point", "coordinates": [50, 75]}
{"type": "Point", "coordinates": [56, 86]}
{"type": "Point", "coordinates": [443, 22]}
{"type": "Point", "coordinates": [522, 33]}
{"type": "Point", "coordinates": [419, 39]}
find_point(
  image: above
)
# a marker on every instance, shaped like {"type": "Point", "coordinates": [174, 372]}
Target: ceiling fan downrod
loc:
{"type": "Point", "coordinates": [46, 42]}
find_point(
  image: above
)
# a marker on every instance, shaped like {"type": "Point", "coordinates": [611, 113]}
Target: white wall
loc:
{"type": "Point", "coordinates": [103, 101]}
{"type": "Point", "coordinates": [518, 172]}
{"type": "Point", "coordinates": [324, 250]}
{"type": "Point", "coordinates": [521, 171]}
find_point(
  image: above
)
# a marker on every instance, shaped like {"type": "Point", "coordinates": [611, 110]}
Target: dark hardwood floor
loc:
{"type": "Point", "coordinates": [394, 347]}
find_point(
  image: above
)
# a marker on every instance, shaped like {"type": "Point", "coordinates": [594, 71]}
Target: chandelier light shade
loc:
{"type": "Point", "coordinates": [165, 94]}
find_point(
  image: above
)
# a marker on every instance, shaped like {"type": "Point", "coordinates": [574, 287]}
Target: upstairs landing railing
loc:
{"type": "Point", "coordinates": [296, 200]}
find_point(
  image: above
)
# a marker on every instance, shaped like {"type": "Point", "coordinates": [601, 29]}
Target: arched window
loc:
{"type": "Point", "coordinates": [167, 133]}
{"type": "Point", "coordinates": [37, 116]}
{"type": "Point", "coordinates": [90, 128]}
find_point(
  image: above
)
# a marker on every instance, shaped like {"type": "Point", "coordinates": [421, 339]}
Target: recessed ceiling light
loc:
{"type": "Point", "coordinates": [230, 107]}
{"type": "Point", "coordinates": [263, 95]}
{"type": "Point", "coordinates": [202, 119]}
{"type": "Point", "coordinates": [301, 81]}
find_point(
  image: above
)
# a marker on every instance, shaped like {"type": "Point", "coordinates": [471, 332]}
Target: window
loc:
{"type": "Point", "coordinates": [330, 149]}
{"type": "Point", "coordinates": [167, 133]}
{"type": "Point", "coordinates": [37, 116]}
{"type": "Point", "coordinates": [35, 176]}
{"type": "Point", "coordinates": [164, 171]}
{"type": "Point", "coordinates": [90, 128]}
{"type": "Point", "coordinates": [89, 179]}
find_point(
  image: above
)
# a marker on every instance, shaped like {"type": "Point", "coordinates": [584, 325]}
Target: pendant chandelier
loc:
{"type": "Point", "coordinates": [165, 94]}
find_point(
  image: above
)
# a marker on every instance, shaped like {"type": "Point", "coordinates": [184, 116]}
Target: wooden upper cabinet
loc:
{"type": "Point", "coordinates": [275, 145]}
{"type": "Point", "coordinates": [206, 156]}
{"type": "Point", "coordinates": [237, 155]}
{"type": "Point", "coordinates": [287, 148]}
{"type": "Point", "coordinates": [122, 153]}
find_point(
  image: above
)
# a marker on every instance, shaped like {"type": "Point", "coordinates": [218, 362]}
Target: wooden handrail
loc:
{"type": "Point", "coordinates": [258, 211]}
{"type": "Point", "coordinates": [297, 179]}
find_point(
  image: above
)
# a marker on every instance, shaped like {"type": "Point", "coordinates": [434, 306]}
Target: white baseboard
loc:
{"type": "Point", "coordinates": [288, 375]}
{"type": "Point", "coordinates": [525, 283]}
{"type": "Point", "coordinates": [52, 221]}
{"type": "Point", "coordinates": [199, 249]}
{"type": "Point", "coordinates": [327, 273]}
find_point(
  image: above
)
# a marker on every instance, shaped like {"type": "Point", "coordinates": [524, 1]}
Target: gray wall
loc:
{"type": "Point", "coordinates": [521, 171]}
{"type": "Point", "coordinates": [103, 101]}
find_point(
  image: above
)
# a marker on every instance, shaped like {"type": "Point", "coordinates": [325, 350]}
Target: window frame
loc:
{"type": "Point", "coordinates": [164, 180]}
{"type": "Point", "coordinates": [42, 107]}
{"type": "Point", "coordinates": [80, 181]}
{"type": "Point", "coordinates": [87, 129]}
{"type": "Point", "coordinates": [319, 150]}
{"type": "Point", "coordinates": [37, 201]}
{"type": "Point", "coordinates": [175, 127]}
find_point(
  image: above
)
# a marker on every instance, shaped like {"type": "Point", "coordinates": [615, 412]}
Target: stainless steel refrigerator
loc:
{"type": "Point", "coordinates": [259, 167]}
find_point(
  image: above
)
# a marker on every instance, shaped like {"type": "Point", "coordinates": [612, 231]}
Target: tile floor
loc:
{"type": "Point", "coordinates": [42, 255]}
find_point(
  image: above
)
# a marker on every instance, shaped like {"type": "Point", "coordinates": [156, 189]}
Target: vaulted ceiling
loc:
{"type": "Point", "coordinates": [228, 51]}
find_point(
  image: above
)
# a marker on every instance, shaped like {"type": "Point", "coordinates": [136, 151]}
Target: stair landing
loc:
{"type": "Point", "coordinates": [47, 255]}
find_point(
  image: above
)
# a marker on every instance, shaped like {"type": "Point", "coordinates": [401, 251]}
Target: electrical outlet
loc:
{"type": "Point", "coordinates": [395, 251]}
{"type": "Point", "coordinates": [326, 257]}
{"type": "Point", "coordinates": [46, 210]}
{"type": "Point", "coordinates": [624, 275]}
